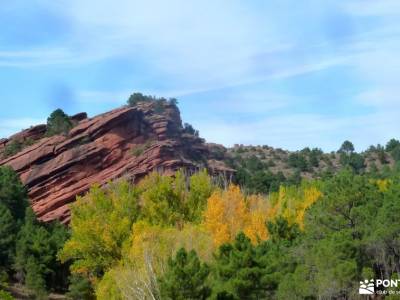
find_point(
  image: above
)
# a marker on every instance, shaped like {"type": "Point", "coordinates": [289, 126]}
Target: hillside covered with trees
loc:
{"type": "Point", "coordinates": [187, 237]}
{"type": "Point", "coordinates": [285, 225]}
{"type": "Point", "coordinates": [262, 169]}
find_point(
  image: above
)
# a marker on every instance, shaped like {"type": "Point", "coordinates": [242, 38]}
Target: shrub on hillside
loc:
{"type": "Point", "coordinates": [16, 146]}
{"type": "Point", "coordinates": [58, 123]}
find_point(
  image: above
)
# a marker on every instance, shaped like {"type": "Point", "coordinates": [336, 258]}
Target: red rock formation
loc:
{"type": "Point", "coordinates": [126, 142]}
{"type": "Point", "coordinates": [31, 134]}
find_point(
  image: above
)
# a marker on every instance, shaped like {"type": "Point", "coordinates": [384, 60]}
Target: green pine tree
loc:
{"type": "Point", "coordinates": [185, 278]}
{"type": "Point", "coordinates": [36, 254]}
{"type": "Point", "coordinates": [12, 192]}
{"type": "Point", "coordinates": [136, 98]}
{"type": "Point", "coordinates": [58, 123]}
{"type": "Point", "coordinates": [237, 273]}
{"type": "Point", "coordinates": [80, 288]}
{"type": "Point", "coordinates": [7, 237]}
{"type": "Point", "coordinates": [34, 277]}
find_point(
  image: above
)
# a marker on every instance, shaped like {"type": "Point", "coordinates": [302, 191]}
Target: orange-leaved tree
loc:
{"type": "Point", "coordinates": [229, 212]}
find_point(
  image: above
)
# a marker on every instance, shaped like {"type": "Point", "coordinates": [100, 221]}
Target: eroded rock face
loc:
{"type": "Point", "coordinates": [126, 142]}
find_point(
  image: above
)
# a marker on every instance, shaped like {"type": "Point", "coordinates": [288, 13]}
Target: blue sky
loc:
{"type": "Point", "coordinates": [284, 73]}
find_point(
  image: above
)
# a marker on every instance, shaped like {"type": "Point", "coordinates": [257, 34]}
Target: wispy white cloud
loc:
{"type": "Point", "coordinates": [188, 48]}
{"type": "Point", "coordinates": [385, 99]}
{"type": "Point", "coordinates": [201, 44]}
{"type": "Point", "coordinates": [49, 56]}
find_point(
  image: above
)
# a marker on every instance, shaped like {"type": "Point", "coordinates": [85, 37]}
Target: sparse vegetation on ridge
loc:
{"type": "Point", "coordinates": [137, 98]}
{"type": "Point", "coordinates": [16, 146]}
{"type": "Point", "coordinates": [261, 169]}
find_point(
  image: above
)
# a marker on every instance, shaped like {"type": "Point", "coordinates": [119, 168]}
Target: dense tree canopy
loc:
{"type": "Point", "coordinates": [12, 192]}
{"type": "Point", "coordinates": [100, 224]}
{"type": "Point", "coordinates": [185, 278]}
{"type": "Point", "coordinates": [36, 255]}
{"type": "Point", "coordinates": [13, 203]}
{"type": "Point", "coordinates": [186, 237]}
{"type": "Point", "coordinates": [237, 272]}
{"type": "Point", "coordinates": [28, 248]}
{"type": "Point", "coordinates": [8, 229]}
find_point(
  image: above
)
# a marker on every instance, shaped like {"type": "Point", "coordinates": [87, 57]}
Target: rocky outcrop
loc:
{"type": "Point", "coordinates": [32, 134]}
{"type": "Point", "coordinates": [126, 142]}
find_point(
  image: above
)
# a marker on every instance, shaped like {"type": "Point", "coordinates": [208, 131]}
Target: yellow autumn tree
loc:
{"type": "Point", "coordinates": [171, 201]}
{"type": "Point", "coordinates": [100, 224]}
{"type": "Point", "coordinates": [229, 212]}
{"type": "Point", "coordinates": [145, 259]}
{"type": "Point", "coordinates": [310, 196]}
{"type": "Point", "coordinates": [255, 228]}
{"type": "Point", "coordinates": [102, 220]}
{"type": "Point", "coordinates": [291, 202]}
{"type": "Point", "coordinates": [226, 214]}
{"type": "Point", "coordinates": [160, 242]}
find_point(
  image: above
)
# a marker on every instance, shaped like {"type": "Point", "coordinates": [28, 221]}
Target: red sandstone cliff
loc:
{"type": "Point", "coordinates": [128, 141]}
